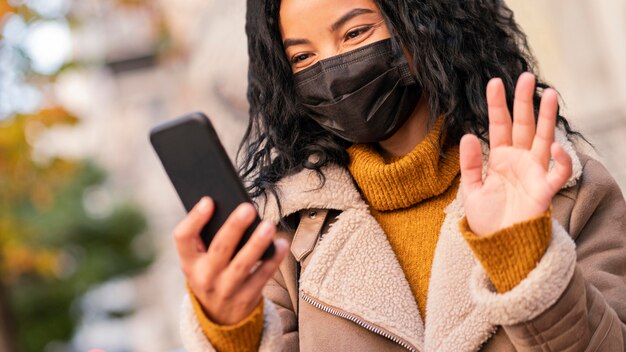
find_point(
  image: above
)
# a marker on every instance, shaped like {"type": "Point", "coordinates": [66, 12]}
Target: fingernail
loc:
{"type": "Point", "coordinates": [203, 207]}
{"type": "Point", "coordinates": [280, 243]}
{"type": "Point", "coordinates": [265, 228]}
{"type": "Point", "coordinates": [243, 211]}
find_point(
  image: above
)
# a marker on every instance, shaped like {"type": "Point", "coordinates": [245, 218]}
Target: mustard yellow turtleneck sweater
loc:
{"type": "Point", "coordinates": [407, 196]}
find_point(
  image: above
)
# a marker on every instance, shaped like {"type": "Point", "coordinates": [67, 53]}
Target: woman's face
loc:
{"type": "Point", "coordinates": [314, 30]}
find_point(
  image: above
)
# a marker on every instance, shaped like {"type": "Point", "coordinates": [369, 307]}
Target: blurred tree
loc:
{"type": "Point", "coordinates": [52, 248]}
{"type": "Point", "coordinates": [56, 239]}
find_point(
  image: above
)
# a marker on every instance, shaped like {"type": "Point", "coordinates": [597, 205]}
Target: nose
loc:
{"type": "Point", "coordinates": [328, 51]}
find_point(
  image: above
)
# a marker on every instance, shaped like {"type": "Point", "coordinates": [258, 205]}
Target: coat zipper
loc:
{"type": "Point", "coordinates": [353, 318]}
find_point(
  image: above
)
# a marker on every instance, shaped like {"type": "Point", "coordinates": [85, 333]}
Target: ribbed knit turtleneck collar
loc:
{"type": "Point", "coordinates": [405, 181]}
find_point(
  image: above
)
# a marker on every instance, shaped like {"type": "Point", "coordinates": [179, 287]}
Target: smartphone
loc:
{"type": "Point", "coordinates": [198, 166]}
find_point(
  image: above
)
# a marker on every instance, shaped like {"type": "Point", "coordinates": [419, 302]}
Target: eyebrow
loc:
{"type": "Point", "coordinates": [290, 42]}
{"type": "Point", "coordinates": [340, 22]}
{"type": "Point", "coordinates": [348, 16]}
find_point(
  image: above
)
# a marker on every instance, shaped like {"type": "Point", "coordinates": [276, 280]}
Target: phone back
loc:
{"type": "Point", "coordinates": [198, 166]}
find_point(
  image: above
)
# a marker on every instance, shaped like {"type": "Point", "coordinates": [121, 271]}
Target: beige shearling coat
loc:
{"type": "Point", "coordinates": [352, 295]}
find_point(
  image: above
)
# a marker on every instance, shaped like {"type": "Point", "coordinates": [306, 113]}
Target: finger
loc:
{"type": "Point", "coordinates": [259, 278]}
{"type": "Point", "coordinates": [523, 111]}
{"type": "Point", "coordinates": [228, 236]}
{"type": "Point", "coordinates": [545, 127]}
{"type": "Point", "coordinates": [202, 275]}
{"type": "Point", "coordinates": [471, 160]}
{"type": "Point", "coordinates": [239, 268]}
{"type": "Point", "coordinates": [562, 170]}
{"type": "Point", "coordinates": [187, 232]}
{"type": "Point", "coordinates": [499, 116]}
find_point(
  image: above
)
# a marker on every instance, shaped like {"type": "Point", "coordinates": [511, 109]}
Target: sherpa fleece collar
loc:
{"type": "Point", "coordinates": [354, 268]}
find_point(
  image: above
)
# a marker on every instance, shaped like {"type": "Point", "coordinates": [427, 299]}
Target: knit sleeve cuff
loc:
{"type": "Point", "coordinates": [243, 336]}
{"type": "Point", "coordinates": [510, 254]}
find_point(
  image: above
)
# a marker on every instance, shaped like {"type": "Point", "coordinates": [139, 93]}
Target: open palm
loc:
{"type": "Point", "coordinates": [518, 185]}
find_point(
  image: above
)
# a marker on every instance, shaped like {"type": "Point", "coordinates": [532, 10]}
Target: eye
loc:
{"type": "Point", "coordinates": [299, 57]}
{"type": "Point", "coordinates": [355, 33]}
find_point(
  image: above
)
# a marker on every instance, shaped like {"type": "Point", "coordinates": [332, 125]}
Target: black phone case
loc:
{"type": "Point", "coordinates": [197, 164]}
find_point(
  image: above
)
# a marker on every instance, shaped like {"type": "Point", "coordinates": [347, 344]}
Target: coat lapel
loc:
{"type": "Point", "coordinates": [353, 268]}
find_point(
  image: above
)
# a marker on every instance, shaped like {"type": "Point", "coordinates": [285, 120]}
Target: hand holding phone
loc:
{"type": "Point", "coordinates": [228, 290]}
{"type": "Point", "coordinates": [221, 239]}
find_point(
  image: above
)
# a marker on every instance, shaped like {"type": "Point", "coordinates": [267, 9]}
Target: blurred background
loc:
{"type": "Point", "coordinates": [86, 211]}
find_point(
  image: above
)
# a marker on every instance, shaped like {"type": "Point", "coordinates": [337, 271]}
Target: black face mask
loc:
{"type": "Point", "coordinates": [362, 96]}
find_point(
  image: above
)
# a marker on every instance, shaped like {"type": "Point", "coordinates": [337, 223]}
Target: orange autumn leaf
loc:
{"type": "Point", "coordinates": [5, 8]}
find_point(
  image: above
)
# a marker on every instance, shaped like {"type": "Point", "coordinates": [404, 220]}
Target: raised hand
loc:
{"type": "Point", "coordinates": [228, 290]}
{"type": "Point", "coordinates": [518, 185]}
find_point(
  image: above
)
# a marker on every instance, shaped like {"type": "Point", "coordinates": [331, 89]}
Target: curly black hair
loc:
{"type": "Point", "coordinates": [456, 46]}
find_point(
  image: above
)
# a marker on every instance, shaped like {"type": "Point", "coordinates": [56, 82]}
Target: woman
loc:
{"type": "Point", "coordinates": [407, 164]}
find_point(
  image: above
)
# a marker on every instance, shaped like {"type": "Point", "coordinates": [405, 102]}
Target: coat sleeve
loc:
{"type": "Point", "coordinates": [280, 325]}
{"type": "Point", "coordinates": [575, 299]}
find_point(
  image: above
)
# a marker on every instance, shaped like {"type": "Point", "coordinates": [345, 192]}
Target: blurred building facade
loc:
{"type": "Point", "coordinates": [161, 59]}
{"type": "Point", "coordinates": [580, 46]}
{"type": "Point", "coordinates": [581, 50]}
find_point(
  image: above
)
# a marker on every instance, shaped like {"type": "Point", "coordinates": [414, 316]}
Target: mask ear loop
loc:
{"type": "Point", "coordinates": [397, 47]}
{"type": "Point", "coordinates": [395, 42]}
